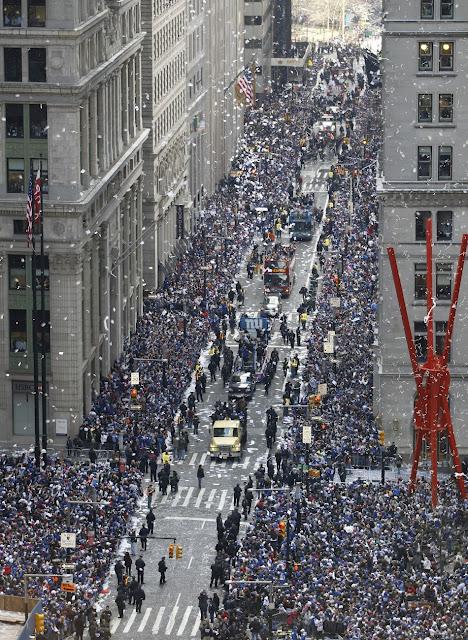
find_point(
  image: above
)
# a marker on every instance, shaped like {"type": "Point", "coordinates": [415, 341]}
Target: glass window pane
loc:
{"type": "Point", "coordinates": [446, 9]}
{"type": "Point", "coordinates": [39, 272]}
{"type": "Point", "coordinates": [36, 13]}
{"type": "Point", "coordinates": [18, 331]}
{"type": "Point", "coordinates": [38, 121]}
{"type": "Point", "coordinates": [425, 56]}
{"type": "Point", "coordinates": [15, 175]}
{"type": "Point", "coordinates": [444, 281]}
{"type": "Point", "coordinates": [12, 13]}
{"type": "Point", "coordinates": [421, 217]}
{"type": "Point", "coordinates": [425, 107]}
{"type": "Point", "coordinates": [37, 65]}
{"type": "Point", "coordinates": [420, 340]}
{"type": "Point", "coordinates": [427, 9]}
{"type": "Point", "coordinates": [446, 56]}
{"type": "Point", "coordinates": [445, 163]}
{"type": "Point", "coordinates": [41, 165]}
{"type": "Point", "coordinates": [444, 225]}
{"type": "Point", "coordinates": [17, 272]}
{"type": "Point", "coordinates": [14, 121]}
{"type": "Point", "coordinates": [420, 290]}
{"type": "Point", "coordinates": [446, 107]}
{"type": "Point", "coordinates": [12, 64]}
{"type": "Point", "coordinates": [424, 163]}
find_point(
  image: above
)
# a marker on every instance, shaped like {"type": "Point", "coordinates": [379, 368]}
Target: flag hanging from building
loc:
{"type": "Point", "coordinates": [245, 87]}
{"type": "Point", "coordinates": [29, 210]}
{"type": "Point", "coordinates": [37, 198]}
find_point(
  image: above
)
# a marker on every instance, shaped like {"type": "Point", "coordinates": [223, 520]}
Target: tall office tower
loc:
{"type": "Point", "coordinates": [258, 21]}
{"type": "Point", "coordinates": [70, 100]}
{"type": "Point", "coordinates": [423, 175]}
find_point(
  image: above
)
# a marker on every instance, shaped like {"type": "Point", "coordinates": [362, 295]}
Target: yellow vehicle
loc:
{"type": "Point", "coordinates": [227, 439]}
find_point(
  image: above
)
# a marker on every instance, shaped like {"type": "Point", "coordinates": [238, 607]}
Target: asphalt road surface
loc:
{"type": "Point", "coordinates": [171, 610]}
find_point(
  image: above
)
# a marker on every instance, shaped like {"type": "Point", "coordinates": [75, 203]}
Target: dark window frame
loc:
{"type": "Point", "coordinates": [23, 171]}
{"type": "Point", "coordinates": [11, 65]}
{"type": "Point", "coordinates": [445, 166]}
{"type": "Point", "coordinates": [429, 56]}
{"type": "Point", "coordinates": [18, 337]}
{"type": "Point", "coordinates": [34, 18]}
{"type": "Point", "coordinates": [426, 163]}
{"type": "Point", "coordinates": [9, 5]}
{"type": "Point", "coordinates": [446, 60]}
{"type": "Point", "coordinates": [449, 98]}
{"type": "Point", "coordinates": [10, 123]}
{"type": "Point", "coordinates": [17, 276]}
{"type": "Point", "coordinates": [37, 69]}
{"type": "Point", "coordinates": [420, 224]}
{"type": "Point", "coordinates": [420, 340]}
{"type": "Point", "coordinates": [444, 227]}
{"type": "Point", "coordinates": [425, 108]}
{"type": "Point", "coordinates": [420, 284]}
{"type": "Point", "coordinates": [36, 110]}
{"type": "Point", "coordinates": [447, 8]}
{"type": "Point", "coordinates": [427, 5]}
{"type": "Point", "coordinates": [443, 291]}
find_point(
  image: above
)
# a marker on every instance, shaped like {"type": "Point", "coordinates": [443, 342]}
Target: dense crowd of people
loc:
{"type": "Point", "coordinates": [358, 560]}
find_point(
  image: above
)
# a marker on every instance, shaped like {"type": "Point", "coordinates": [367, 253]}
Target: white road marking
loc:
{"type": "Point", "coordinates": [187, 613]}
{"type": "Point", "coordinates": [177, 497]}
{"type": "Point", "coordinates": [190, 562]}
{"type": "Point", "coordinates": [245, 464]}
{"type": "Point", "coordinates": [188, 496]}
{"type": "Point", "coordinates": [195, 626]}
{"type": "Point", "coordinates": [193, 458]}
{"type": "Point", "coordinates": [165, 499]}
{"type": "Point", "coordinates": [145, 619]}
{"type": "Point", "coordinates": [209, 502]}
{"type": "Point", "coordinates": [223, 499]}
{"type": "Point", "coordinates": [130, 622]}
{"type": "Point", "coordinates": [171, 622]}
{"type": "Point", "coordinates": [115, 625]}
{"type": "Point", "coordinates": [157, 622]}
{"type": "Point", "coordinates": [203, 458]}
{"type": "Point", "coordinates": [199, 498]}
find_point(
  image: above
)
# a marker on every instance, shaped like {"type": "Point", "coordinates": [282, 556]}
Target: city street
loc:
{"type": "Point", "coordinates": [172, 609]}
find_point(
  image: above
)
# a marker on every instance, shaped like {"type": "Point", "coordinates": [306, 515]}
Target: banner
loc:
{"type": "Point", "coordinates": [180, 221]}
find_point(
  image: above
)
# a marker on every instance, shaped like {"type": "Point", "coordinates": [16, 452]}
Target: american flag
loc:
{"type": "Point", "coordinates": [245, 85]}
{"type": "Point", "coordinates": [29, 210]}
{"type": "Point", "coordinates": [37, 197]}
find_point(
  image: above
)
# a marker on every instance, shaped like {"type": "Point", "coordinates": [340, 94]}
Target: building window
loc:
{"type": "Point", "coordinates": [446, 107]}
{"type": "Point", "coordinates": [19, 227]}
{"type": "Point", "coordinates": [420, 219]}
{"type": "Point", "coordinates": [38, 121]}
{"type": "Point", "coordinates": [445, 163]}
{"type": "Point", "coordinates": [420, 289]}
{"type": "Point", "coordinates": [14, 120]}
{"type": "Point", "coordinates": [427, 9]}
{"type": "Point", "coordinates": [18, 331]}
{"type": "Point", "coordinates": [425, 56]}
{"type": "Point", "coordinates": [15, 175]}
{"type": "Point", "coordinates": [36, 13]}
{"type": "Point", "coordinates": [41, 165]}
{"type": "Point", "coordinates": [420, 340]}
{"type": "Point", "coordinates": [16, 272]}
{"type": "Point", "coordinates": [12, 13]}
{"type": "Point", "coordinates": [444, 226]}
{"type": "Point", "coordinates": [39, 272]}
{"type": "Point", "coordinates": [37, 65]}
{"type": "Point", "coordinates": [446, 9]}
{"type": "Point", "coordinates": [252, 20]}
{"type": "Point", "coordinates": [443, 280]}
{"type": "Point", "coordinates": [446, 56]}
{"type": "Point", "coordinates": [253, 43]}
{"type": "Point", "coordinates": [425, 107]}
{"type": "Point", "coordinates": [424, 163]}
{"type": "Point", "coordinates": [440, 331]}
{"type": "Point", "coordinates": [12, 64]}
{"type": "Point", "coordinates": [43, 325]}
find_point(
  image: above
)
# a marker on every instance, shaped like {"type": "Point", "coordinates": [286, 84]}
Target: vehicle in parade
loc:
{"type": "Point", "coordinates": [301, 224]}
{"type": "Point", "coordinates": [278, 271]}
{"type": "Point", "coordinates": [242, 385]}
{"type": "Point", "coordinates": [272, 306]}
{"type": "Point", "coordinates": [227, 439]}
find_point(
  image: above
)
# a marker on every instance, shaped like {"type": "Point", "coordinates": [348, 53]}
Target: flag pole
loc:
{"type": "Point", "coordinates": [37, 446]}
{"type": "Point", "coordinates": [43, 309]}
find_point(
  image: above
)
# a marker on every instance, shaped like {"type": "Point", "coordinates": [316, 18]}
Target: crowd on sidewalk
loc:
{"type": "Point", "coordinates": [358, 560]}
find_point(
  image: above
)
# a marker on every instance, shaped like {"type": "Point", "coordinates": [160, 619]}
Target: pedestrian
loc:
{"type": "Point", "coordinates": [132, 587]}
{"type": "Point", "coordinates": [139, 597]}
{"type": "Point", "coordinates": [92, 455]}
{"type": "Point", "coordinates": [174, 482]}
{"type": "Point", "coordinates": [303, 292]}
{"type": "Point", "coordinates": [303, 319]}
{"type": "Point", "coordinates": [285, 367]}
{"type": "Point", "coordinates": [195, 423]}
{"type": "Point", "coordinates": [198, 391]}
{"type": "Point", "coordinates": [162, 568]}
{"type": "Point", "coordinates": [128, 564]}
{"type": "Point", "coordinates": [215, 575]}
{"type": "Point", "coordinates": [79, 626]}
{"type": "Point", "coordinates": [203, 604]}
{"type": "Point", "coordinates": [298, 336]}
{"type": "Point", "coordinates": [153, 465]}
{"type": "Point", "coordinates": [200, 475]}
{"type": "Point", "coordinates": [237, 494]}
{"type": "Point", "coordinates": [150, 493]}
{"type": "Point", "coordinates": [119, 571]}
{"type": "Point", "coordinates": [143, 533]}
{"type": "Point", "coordinates": [69, 446]}
{"type": "Point", "coordinates": [133, 542]}
{"type": "Point", "coordinates": [120, 602]}
{"type": "Point", "coordinates": [140, 567]}
{"type": "Point", "coordinates": [211, 610]}
{"type": "Point", "coordinates": [291, 338]}
{"type": "Point", "coordinates": [150, 518]}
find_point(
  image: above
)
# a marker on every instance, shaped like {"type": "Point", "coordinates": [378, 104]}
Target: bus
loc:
{"type": "Point", "coordinates": [278, 271]}
{"type": "Point", "coordinates": [301, 224]}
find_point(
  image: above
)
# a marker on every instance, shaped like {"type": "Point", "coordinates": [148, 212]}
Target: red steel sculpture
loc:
{"type": "Point", "coordinates": [431, 414]}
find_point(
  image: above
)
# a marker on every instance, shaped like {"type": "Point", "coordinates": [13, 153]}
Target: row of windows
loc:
{"type": "Point", "coordinates": [171, 114]}
{"type": "Point", "coordinates": [159, 6]}
{"type": "Point", "coordinates": [443, 284]}
{"type": "Point", "coordinates": [195, 7]}
{"type": "Point", "coordinates": [131, 22]}
{"type": "Point", "coordinates": [420, 339]}
{"type": "Point", "coordinates": [253, 43]}
{"type": "Point", "coordinates": [195, 86]}
{"type": "Point", "coordinates": [426, 56]}
{"type": "Point", "coordinates": [444, 162]}
{"type": "Point", "coordinates": [170, 34]}
{"type": "Point", "coordinates": [19, 330]}
{"type": "Point", "coordinates": [36, 13]}
{"type": "Point", "coordinates": [169, 76]}
{"type": "Point", "coordinates": [23, 120]}
{"type": "Point", "coordinates": [16, 178]}
{"type": "Point", "coordinates": [446, 9]}
{"type": "Point", "coordinates": [92, 52]}
{"type": "Point", "coordinates": [19, 276]}
{"type": "Point", "coordinates": [444, 225]}
{"type": "Point", "coordinates": [426, 108]}
{"type": "Point", "coordinates": [13, 64]}
{"type": "Point", "coordinates": [195, 43]}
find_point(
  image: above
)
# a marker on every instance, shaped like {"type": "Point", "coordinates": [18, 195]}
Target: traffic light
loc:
{"type": "Point", "coordinates": [382, 437]}
{"type": "Point", "coordinates": [40, 626]}
{"type": "Point", "coordinates": [171, 551]}
{"type": "Point", "coordinates": [179, 552]}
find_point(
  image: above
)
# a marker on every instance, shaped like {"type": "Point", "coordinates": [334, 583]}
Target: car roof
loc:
{"type": "Point", "coordinates": [226, 423]}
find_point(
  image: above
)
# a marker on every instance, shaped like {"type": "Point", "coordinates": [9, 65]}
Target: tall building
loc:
{"type": "Point", "coordinates": [290, 58]}
{"type": "Point", "coordinates": [70, 100]}
{"type": "Point", "coordinates": [258, 21]}
{"type": "Point", "coordinates": [423, 175]}
{"type": "Point", "coordinates": [166, 202]}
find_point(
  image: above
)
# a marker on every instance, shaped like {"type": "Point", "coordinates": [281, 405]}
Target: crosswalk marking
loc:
{"type": "Point", "coordinates": [195, 626]}
{"type": "Point", "coordinates": [209, 502]}
{"type": "Point", "coordinates": [183, 624]}
{"type": "Point", "coordinates": [203, 458]}
{"type": "Point", "coordinates": [245, 464]}
{"type": "Point", "coordinates": [115, 625]}
{"type": "Point", "coordinates": [223, 499]}
{"type": "Point", "coordinates": [165, 499]}
{"type": "Point", "coordinates": [130, 622]}
{"type": "Point", "coordinates": [193, 458]}
{"type": "Point", "coordinates": [157, 622]}
{"type": "Point", "coordinates": [188, 496]}
{"type": "Point", "coordinates": [199, 499]}
{"type": "Point", "coordinates": [172, 618]}
{"type": "Point", "coordinates": [175, 500]}
{"type": "Point", "coordinates": [145, 619]}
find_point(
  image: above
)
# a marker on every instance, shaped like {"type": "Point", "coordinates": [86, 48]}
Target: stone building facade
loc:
{"type": "Point", "coordinates": [258, 35]}
{"type": "Point", "coordinates": [71, 103]}
{"type": "Point", "coordinates": [422, 174]}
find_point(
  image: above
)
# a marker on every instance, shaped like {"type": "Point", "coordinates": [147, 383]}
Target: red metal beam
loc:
{"type": "Point", "coordinates": [455, 294]}
{"type": "Point", "coordinates": [429, 295]}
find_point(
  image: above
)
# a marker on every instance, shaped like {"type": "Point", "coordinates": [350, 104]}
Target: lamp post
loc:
{"type": "Point", "coordinates": [164, 366]}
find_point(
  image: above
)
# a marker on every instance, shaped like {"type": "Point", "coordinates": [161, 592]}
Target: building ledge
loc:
{"type": "Point", "coordinates": [434, 125]}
